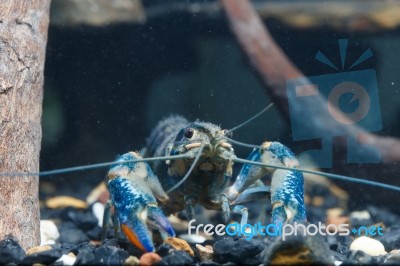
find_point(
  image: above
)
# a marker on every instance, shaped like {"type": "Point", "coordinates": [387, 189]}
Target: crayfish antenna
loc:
{"type": "Point", "coordinates": [93, 166]}
{"type": "Point", "coordinates": [329, 175]}
{"type": "Point", "coordinates": [250, 119]}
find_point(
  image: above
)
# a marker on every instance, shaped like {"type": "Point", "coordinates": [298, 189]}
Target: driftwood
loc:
{"type": "Point", "coordinates": [348, 15]}
{"type": "Point", "coordinates": [23, 37]}
{"type": "Point", "coordinates": [274, 69]}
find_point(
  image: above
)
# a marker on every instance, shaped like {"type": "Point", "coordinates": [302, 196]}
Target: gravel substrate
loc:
{"type": "Point", "coordinates": [76, 240]}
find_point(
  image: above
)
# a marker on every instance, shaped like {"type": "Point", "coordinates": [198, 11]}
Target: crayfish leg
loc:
{"type": "Point", "coordinates": [287, 186]}
{"type": "Point", "coordinates": [106, 221]}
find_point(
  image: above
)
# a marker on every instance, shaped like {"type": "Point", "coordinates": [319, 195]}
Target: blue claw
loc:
{"type": "Point", "coordinates": [287, 196]}
{"type": "Point", "coordinates": [137, 233]}
{"type": "Point", "coordinates": [132, 187]}
{"type": "Point", "coordinates": [159, 218]}
{"type": "Point", "coordinates": [129, 204]}
{"type": "Point", "coordinates": [287, 186]}
{"type": "Point", "coordinates": [247, 176]}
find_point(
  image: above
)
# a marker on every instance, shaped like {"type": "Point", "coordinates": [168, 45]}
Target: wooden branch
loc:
{"type": "Point", "coordinates": [274, 69]}
{"type": "Point", "coordinates": [345, 15]}
{"type": "Point", "coordinates": [23, 37]}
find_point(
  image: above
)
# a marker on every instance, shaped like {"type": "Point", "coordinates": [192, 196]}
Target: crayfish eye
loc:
{"type": "Point", "coordinates": [188, 133]}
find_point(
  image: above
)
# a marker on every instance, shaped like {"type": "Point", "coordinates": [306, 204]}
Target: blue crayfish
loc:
{"type": "Point", "coordinates": [191, 163]}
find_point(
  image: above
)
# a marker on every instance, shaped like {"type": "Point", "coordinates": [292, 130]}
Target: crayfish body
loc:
{"type": "Point", "coordinates": [197, 169]}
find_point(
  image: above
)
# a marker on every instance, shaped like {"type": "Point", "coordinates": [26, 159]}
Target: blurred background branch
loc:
{"type": "Point", "coordinates": [275, 69]}
{"type": "Point", "coordinates": [344, 15]}
{"type": "Point", "coordinates": [178, 56]}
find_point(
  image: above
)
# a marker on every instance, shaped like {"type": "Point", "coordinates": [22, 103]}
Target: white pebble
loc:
{"type": "Point", "coordinates": [98, 212]}
{"type": "Point", "coordinates": [368, 245]}
{"type": "Point", "coordinates": [193, 238]}
{"type": "Point", "coordinates": [338, 262]}
{"type": "Point", "coordinates": [67, 260]}
{"type": "Point", "coordinates": [360, 215]}
{"type": "Point", "coordinates": [48, 232]}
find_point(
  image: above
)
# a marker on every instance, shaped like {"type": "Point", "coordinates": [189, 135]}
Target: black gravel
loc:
{"type": "Point", "coordinates": [176, 257]}
{"type": "Point", "coordinates": [45, 257]}
{"type": "Point", "coordinates": [238, 250]}
{"type": "Point", "coordinates": [10, 251]}
{"type": "Point", "coordinates": [81, 235]}
{"type": "Point", "coordinates": [391, 239]}
{"type": "Point", "coordinates": [105, 255]}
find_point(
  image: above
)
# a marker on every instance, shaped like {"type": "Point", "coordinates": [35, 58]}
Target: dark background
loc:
{"type": "Point", "coordinates": [106, 88]}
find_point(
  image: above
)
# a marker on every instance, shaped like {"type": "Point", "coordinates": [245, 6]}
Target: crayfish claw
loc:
{"type": "Point", "coordinates": [158, 217]}
{"type": "Point", "coordinates": [137, 233]}
{"type": "Point", "coordinates": [133, 189]}
{"type": "Point", "coordinates": [287, 195]}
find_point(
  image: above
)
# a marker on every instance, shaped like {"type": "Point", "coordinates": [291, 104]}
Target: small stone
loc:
{"type": "Point", "coordinates": [65, 201]}
{"type": "Point", "coordinates": [48, 232]}
{"type": "Point", "coordinates": [206, 252]}
{"type": "Point", "coordinates": [95, 233]}
{"type": "Point", "coordinates": [196, 239]}
{"type": "Point", "coordinates": [338, 256]}
{"type": "Point", "coordinates": [335, 212]}
{"type": "Point", "coordinates": [149, 258]}
{"type": "Point", "coordinates": [38, 249]}
{"type": "Point", "coordinates": [339, 243]}
{"type": "Point", "coordinates": [76, 249]}
{"type": "Point", "coordinates": [179, 244]}
{"type": "Point", "coordinates": [98, 212]}
{"type": "Point", "coordinates": [388, 218]}
{"type": "Point", "coordinates": [236, 250]}
{"type": "Point", "coordinates": [360, 215]}
{"type": "Point", "coordinates": [299, 250]}
{"type": "Point", "coordinates": [46, 256]}
{"type": "Point", "coordinates": [10, 251]}
{"type": "Point", "coordinates": [177, 257]}
{"type": "Point", "coordinates": [71, 235]}
{"type": "Point", "coordinates": [317, 201]}
{"type": "Point", "coordinates": [85, 256]}
{"type": "Point", "coordinates": [393, 259]}
{"type": "Point", "coordinates": [391, 239]}
{"type": "Point", "coordinates": [84, 220]}
{"type": "Point", "coordinates": [209, 263]}
{"type": "Point", "coordinates": [104, 255]}
{"type": "Point", "coordinates": [368, 245]}
{"type": "Point", "coordinates": [99, 193]}
{"type": "Point", "coordinates": [67, 260]}
{"type": "Point", "coordinates": [360, 257]}
{"type": "Point", "coordinates": [360, 218]}
{"type": "Point", "coordinates": [131, 261]}
{"type": "Point", "coordinates": [164, 249]}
